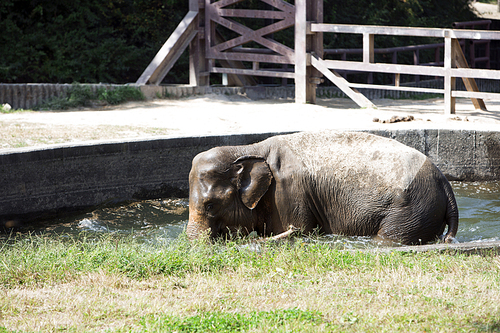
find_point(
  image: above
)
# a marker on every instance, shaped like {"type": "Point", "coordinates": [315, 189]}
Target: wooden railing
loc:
{"type": "Point", "coordinates": [394, 52]}
{"type": "Point", "coordinates": [198, 30]}
{"type": "Point", "coordinates": [478, 50]}
{"type": "Point", "coordinates": [454, 66]}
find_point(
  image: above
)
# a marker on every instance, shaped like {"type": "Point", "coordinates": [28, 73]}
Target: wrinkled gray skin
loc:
{"type": "Point", "coordinates": [344, 183]}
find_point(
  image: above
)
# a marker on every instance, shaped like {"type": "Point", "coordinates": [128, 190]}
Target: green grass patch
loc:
{"type": "Point", "coordinates": [114, 283]}
{"type": "Point", "coordinates": [35, 260]}
{"type": "Point", "coordinates": [84, 96]}
{"type": "Point", "coordinates": [272, 321]}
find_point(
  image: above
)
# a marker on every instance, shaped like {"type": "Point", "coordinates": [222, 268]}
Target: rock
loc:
{"type": "Point", "coordinates": [6, 107]}
{"type": "Point", "coordinates": [457, 118]}
{"type": "Point", "coordinates": [394, 119]}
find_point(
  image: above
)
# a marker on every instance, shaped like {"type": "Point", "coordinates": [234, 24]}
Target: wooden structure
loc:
{"type": "Point", "coordinates": [210, 53]}
{"type": "Point", "coordinates": [241, 63]}
{"type": "Point", "coordinates": [477, 44]}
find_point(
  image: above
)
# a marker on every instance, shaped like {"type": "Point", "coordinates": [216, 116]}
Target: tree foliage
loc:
{"type": "Point", "coordinates": [412, 13]}
{"type": "Point", "coordinates": [82, 40]}
{"type": "Point", "coordinates": [113, 41]}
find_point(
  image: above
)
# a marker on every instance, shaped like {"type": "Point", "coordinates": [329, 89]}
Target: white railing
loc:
{"type": "Point", "coordinates": [454, 66]}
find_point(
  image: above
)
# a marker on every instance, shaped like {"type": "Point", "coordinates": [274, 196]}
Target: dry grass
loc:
{"type": "Point", "coordinates": [23, 134]}
{"type": "Point", "coordinates": [348, 292]}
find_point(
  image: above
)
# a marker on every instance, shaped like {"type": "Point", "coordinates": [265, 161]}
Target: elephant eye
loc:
{"type": "Point", "coordinates": [209, 207]}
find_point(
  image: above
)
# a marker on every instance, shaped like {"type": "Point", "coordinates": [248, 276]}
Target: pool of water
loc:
{"type": "Point", "coordinates": [164, 219]}
{"type": "Point", "coordinates": [149, 221]}
{"type": "Point", "coordinates": [479, 206]}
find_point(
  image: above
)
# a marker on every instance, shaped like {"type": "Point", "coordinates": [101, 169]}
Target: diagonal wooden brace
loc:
{"type": "Point", "coordinates": [341, 83]}
{"type": "Point", "coordinates": [458, 60]}
{"type": "Point", "coordinates": [170, 51]}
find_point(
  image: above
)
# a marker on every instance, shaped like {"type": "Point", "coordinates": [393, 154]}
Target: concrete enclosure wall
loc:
{"type": "Point", "coordinates": [41, 182]}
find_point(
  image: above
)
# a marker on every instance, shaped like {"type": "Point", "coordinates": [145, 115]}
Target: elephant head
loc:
{"type": "Point", "coordinates": [224, 191]}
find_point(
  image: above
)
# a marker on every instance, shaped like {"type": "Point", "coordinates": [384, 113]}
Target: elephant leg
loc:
{"type": "Point", "coordinates": [409, 227]}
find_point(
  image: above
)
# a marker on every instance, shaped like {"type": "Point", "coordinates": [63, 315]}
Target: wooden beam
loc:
{"type": "Point", "coordinates": [300, 52]}
{"type": "Point", "coordinates": [449, 80]}
{"type": "Point", "coordinates": [398, 88]}
{"type": "Point", "coordinates": [253, 72]}
{"type": "Point", "coordinates": [170, 51]}
{"type": "Point", "coordinates": [249, 13]}
{"type": "Point", "coordinates": [197, 59]}
{"type": "Point", "coordinates": [385, 68]}
{"type": "Point", "coordinates": [341, 83]}
{"type": "Point", "coordinates": [405, 31]}
{"type": "Point", "coordinates": [248, 35]}
{"type": "Point", "coordinates": [234, 80]}
{"type": "Point", "coordinates": [412, 69]}
{"type": "Point", "coordinates": [275, 59]}
{"type": "Point", "coordinates": [474, 94]}
{"type": "Point", "coordinates": [314, 45]}
{"type": "Point", "coordinates": [368, 48]}
{"type": "Point", "coordinates": [458, 60]}
{"type": "Point", "coordinates": [224, 3]}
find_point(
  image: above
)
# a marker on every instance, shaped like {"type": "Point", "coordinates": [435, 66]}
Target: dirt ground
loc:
{"type": "Point", "coordinates": [486, 10]}
{"type": "Point", "coordinates": [223, 114]}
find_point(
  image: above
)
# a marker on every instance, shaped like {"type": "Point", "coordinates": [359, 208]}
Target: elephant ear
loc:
{"type": "Point", "coordinates": [253, 179]}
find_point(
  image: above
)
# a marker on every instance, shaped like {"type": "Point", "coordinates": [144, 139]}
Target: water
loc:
{"type": "Point", "coordinates": [479, 206]}
{"type": "Point", "coordinates": [148, 221]}
{"type": "Point", "coordinates": [164, 219]}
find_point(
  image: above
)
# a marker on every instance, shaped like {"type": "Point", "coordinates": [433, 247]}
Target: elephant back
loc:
{"type": "Point", "coordinates": [362, 159]}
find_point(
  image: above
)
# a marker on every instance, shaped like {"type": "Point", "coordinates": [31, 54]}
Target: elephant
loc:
{"type": "Point", "coordinates": [344, 183]}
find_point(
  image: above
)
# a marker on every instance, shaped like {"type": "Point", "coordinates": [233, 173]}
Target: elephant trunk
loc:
{"type": "Point", "coordinates": [195, 229]}
{"type": "Point", "coordinates": [192, 230]}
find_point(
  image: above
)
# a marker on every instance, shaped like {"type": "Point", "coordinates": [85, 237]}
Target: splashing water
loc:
{"type": "Point", "coordinates": [163, 220]}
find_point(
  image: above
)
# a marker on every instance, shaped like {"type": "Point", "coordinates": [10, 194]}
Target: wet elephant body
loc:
{"type": "Point", "coordinates": [347, 183]}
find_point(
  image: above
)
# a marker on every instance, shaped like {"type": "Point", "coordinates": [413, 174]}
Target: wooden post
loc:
{"type": "Point", "coordinates": [314, 43]}
{"type": "Point", "coordinates": [449, 81]}
{"type": "Point", "coordinates": [197, 61]}
{"type": "Point", "coordinates": [300, 52]}
{"type": "Point", "coordinates": [369, 52]}
{"type": "Point", "coordinates": [368, 48]}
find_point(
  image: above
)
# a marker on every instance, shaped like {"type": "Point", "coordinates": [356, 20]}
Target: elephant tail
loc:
{"type": "Point", "coordinates": [451, 214]}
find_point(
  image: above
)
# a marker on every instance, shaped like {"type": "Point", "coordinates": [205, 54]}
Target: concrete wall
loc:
{"type": "Point", "coordinates": [36, 181]}
{"type": "Point", "coordinates": [41, 182]}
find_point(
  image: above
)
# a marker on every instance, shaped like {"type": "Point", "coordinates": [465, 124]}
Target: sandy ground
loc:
{"type": "Point", "coordinates": [221, 114]}
{"type": "Point", "coordinates": [486, 10]}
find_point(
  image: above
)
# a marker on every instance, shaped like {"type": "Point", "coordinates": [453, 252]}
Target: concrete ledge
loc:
{"type": "Point", "coordinates": [483, 248]}
{"type": "Point", "coordinates": [41, 182]}
{"type": "Point", "coordinates": [459, 154]}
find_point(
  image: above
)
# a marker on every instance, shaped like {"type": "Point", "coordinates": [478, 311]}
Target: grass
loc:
{"type": "Point", "coordinates": [82, 95]}
{"type": "Point", "coordinates": [116, 284]}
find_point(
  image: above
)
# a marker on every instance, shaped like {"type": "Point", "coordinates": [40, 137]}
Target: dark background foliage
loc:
{"type": "Point", "coordinates": [113, 41]}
